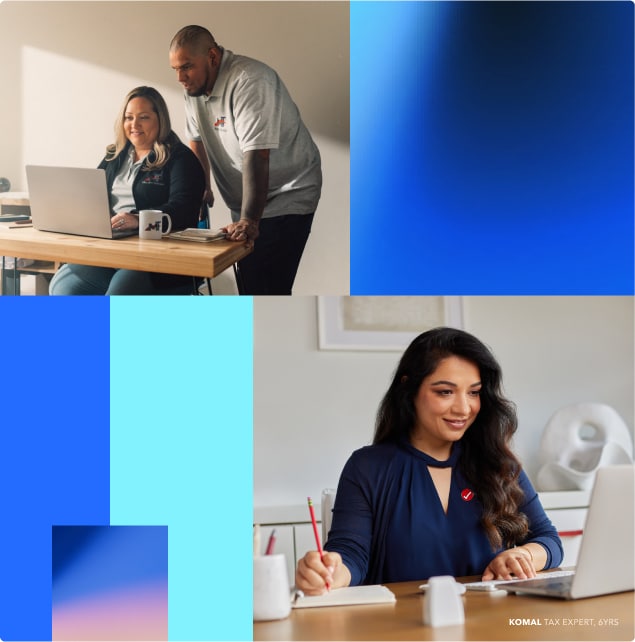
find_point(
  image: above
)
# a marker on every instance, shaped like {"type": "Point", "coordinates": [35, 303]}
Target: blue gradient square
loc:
{"type": "Point", "coordinates": [492, 148]}
{"type": "Point", "coordinates": [110, 583]}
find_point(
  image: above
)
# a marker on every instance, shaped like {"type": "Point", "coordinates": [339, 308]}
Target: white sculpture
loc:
{"type": "Point", "coordinates": [576, 441]}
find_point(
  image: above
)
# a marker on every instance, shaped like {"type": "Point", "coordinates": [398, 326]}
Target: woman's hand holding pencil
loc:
{"type": "Point", "coordinates": [319, 571]}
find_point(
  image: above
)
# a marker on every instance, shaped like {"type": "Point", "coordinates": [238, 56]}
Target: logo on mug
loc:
{"type": "Point", "coordinates": [153, 226]}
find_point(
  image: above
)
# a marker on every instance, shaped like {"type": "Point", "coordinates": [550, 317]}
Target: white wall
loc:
{"type": "Point", "coordinates": [312, 408]}
{"type": "Point", "coordinates": [68, 65]}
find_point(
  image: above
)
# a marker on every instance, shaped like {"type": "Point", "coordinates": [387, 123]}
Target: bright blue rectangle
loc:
{"type": "Point", "coordinates": [181, 450]}
{"type": "Point", "coordinates": [492, 148]}
{"type": "Point", "coordinates": [54, 444]}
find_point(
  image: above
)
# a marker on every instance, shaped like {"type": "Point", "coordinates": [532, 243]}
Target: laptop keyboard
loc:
{"type": "Point", "coordinates": [491, 585]}
{"type": "Point", "coordinates": [123, 233]}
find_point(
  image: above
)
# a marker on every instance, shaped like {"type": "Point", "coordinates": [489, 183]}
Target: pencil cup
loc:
{"type": "Point", "coordinates": [151, 224]}
{"type": "Point", "coordinates": [443, 605]}
{"type": "Point", "coordinates": [272, 598]}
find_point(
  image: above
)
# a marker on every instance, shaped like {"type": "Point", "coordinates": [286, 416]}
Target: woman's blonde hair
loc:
{"type": "Point", "coordinates": [166, 138]}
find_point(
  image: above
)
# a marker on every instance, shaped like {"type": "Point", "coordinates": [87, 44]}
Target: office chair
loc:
{"type": "Point", "coordinates": [326, 509]}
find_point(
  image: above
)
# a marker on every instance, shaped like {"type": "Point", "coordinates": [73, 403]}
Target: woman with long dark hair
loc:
{"type": "Point", "coordinates": [440, 491]}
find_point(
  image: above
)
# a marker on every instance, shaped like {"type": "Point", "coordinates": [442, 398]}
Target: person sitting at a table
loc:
{"type": "Point", "coordinates": [439, 492]}
{"type": "Point", "coordinates": [147, 167]}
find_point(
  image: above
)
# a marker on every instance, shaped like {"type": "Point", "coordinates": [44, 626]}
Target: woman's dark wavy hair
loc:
{"type": "Point", "coordinates": [486, 457]}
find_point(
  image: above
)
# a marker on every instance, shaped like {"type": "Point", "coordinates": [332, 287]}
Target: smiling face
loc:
{"type": "Point", "coordinates": [446, 405]}
{"type": "Point", "coordinates": [141, 124]}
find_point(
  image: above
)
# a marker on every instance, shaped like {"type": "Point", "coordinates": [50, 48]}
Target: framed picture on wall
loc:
{"type": "Point", "coordinates": [387, 323]}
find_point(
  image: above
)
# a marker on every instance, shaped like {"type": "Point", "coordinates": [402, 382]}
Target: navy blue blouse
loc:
{"type": "Point", "coordinates": [389, 525]}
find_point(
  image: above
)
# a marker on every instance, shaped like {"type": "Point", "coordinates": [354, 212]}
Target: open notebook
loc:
{"type": "Point", "coordinates": [372, 594]}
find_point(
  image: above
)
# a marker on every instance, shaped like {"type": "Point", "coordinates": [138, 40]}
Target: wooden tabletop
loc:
{"type": "Point", "coordinates": [488, 616]}
{"type": "Point", "coordinates": [164, 255]}
{"type": "Point", "coordinates": [14, 198]}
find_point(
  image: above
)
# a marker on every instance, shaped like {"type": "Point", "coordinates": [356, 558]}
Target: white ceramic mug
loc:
{"type": "Point", "coordinates": [151, 224]}
{"type": "Point", "coordinates": [272, 598]}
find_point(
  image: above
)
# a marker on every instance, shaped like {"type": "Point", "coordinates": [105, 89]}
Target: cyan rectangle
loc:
{"type": "Point", "coordinates": [181, 450]}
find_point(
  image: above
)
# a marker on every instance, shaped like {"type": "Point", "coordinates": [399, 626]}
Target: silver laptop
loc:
{"type": "Point", "coordinates": [606, 562]}
{"type": "Point", "coordinates": [71, 200]}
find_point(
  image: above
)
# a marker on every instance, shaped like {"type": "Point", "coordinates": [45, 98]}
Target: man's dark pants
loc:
{"type": "Point", "coordinates": [272, 266]}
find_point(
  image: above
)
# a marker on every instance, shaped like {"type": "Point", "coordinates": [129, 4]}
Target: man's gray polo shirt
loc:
{"type": "Point", "coordinates": [250, 108]}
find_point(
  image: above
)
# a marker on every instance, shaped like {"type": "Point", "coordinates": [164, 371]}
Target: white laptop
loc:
{"type": "Point", "coordinates": [71, 200]}
{"type": "Point", "coordinates": [606, 562]}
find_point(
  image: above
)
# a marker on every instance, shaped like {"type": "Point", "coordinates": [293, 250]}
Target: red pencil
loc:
{"type": "Point", "coordinates": [271, 543]}
{"type": "Point", "coordinates": [315, 532]}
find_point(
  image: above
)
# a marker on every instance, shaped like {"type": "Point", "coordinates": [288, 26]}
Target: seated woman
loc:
{"type": "Point", "coordinates": [439, 492]}
{"type": "Point", "coordinates": [147, 167]}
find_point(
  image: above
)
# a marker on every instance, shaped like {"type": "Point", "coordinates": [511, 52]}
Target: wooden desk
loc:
{"type": "Point", "coordinates": [173, 257]}
{"type": "Point", "coordinates": [487, 617]}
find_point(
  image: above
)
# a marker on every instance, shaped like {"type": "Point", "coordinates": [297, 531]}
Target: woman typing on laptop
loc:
{"type": "Point", "coordinates": [147, 167]}
{"type": "Point", "coordinates": [439, 492]}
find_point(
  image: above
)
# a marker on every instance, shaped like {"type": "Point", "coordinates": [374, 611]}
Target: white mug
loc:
{"type": "Point", "coordinates": [272, 598]}
{"type": "Point", "coordinates": [151, 224]}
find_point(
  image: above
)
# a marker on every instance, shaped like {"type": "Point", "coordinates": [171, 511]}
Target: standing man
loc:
{"type": "Point", "coordinates": [242, 123]}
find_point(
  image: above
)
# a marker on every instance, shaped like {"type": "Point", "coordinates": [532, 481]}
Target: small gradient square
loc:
{"type": "Point", "coordinates": [110, 583]}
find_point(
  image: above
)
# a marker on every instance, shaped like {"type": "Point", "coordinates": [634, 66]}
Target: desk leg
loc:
{"type": "Point", "coordinates": [198, 285]}
{"type": "Point", "coordinates": [16, 277]}
{"type": "Point", "coordinates": [239, 280]}
{"type": "Point", "coordinates": [10, 279]}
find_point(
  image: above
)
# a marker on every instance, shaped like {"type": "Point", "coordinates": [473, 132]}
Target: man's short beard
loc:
{"type": "Point", "coordinates": [195, 93]}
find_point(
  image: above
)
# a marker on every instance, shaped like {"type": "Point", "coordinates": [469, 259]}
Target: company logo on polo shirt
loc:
{"type": "Point", "coordinates": [153, 178]}
{"type": "Point", "coordinates": [220, 122]}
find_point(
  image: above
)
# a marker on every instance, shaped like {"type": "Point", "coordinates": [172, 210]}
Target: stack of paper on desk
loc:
{"type": "Point", "coordinates": [198, 234]}
{"type": "Point", "coordinates": [374, 594]}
